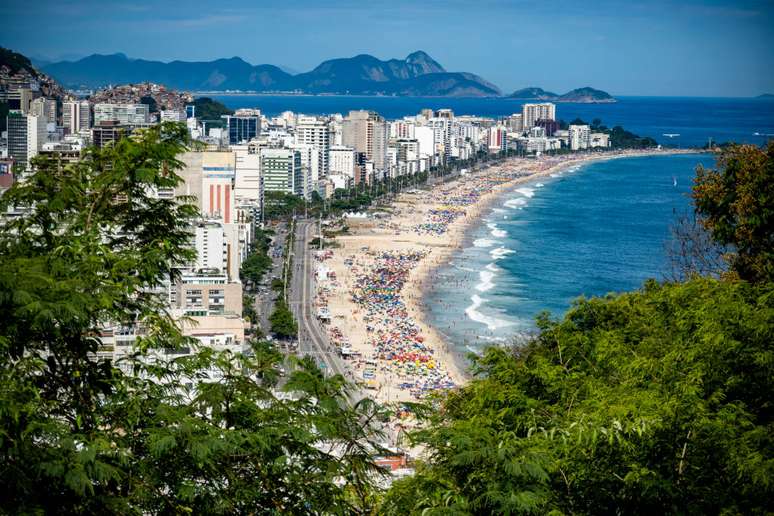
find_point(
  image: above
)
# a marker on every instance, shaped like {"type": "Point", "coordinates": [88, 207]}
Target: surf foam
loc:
{"type": "Point", "coordinates": [492, 323]}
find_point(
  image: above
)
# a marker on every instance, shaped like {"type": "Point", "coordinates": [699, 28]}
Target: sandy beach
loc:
{"type": "Point", "coordinates": [372, 284]}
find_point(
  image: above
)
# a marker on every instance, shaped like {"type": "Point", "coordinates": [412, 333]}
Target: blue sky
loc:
{"type": "Point", "coordinates": [712, 48]}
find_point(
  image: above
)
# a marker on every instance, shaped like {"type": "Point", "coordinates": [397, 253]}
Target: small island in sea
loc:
{"type": "Point", "coordinates": [586, 94]}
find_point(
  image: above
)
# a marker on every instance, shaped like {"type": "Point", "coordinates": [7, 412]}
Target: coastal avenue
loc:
{"type": "Point", "coordinates": [312, 338]}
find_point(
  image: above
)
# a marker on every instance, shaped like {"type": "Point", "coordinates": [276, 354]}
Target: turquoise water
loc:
{"type": "Point", "coordinates": [593, 229]}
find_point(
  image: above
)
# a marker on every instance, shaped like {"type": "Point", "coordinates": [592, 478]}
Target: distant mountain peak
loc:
{"type": "Point", "coordinates": [363, 74]}
{"type": "Point", "coordinates": [424, 62]}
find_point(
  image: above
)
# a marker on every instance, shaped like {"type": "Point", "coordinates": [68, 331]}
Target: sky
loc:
{"type": "Point", "coordinates": [661, 48]}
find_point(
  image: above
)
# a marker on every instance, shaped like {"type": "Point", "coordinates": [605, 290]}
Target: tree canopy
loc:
{"type": "Point", "coordinates": [160, 431]}
{"type": "Point", "coordinates": [651, 402]}
{"type": "Point", "coordinates": [735, 203]}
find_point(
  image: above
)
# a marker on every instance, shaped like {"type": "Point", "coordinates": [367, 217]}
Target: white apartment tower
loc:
{"type": "Point", "coordinates": [125, 114]}
{"type": "Point", "coordinates": [579, 137]}
{"type": "Point", "coordinates": [315, 132]}
{"type": "Point", "coordinates": [76, 116]}
{"type": "Point", "coordinates": [531, 113]}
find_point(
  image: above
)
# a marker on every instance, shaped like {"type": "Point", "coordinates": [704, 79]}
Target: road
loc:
{"type": "Point", "coordinates": [313, 339]}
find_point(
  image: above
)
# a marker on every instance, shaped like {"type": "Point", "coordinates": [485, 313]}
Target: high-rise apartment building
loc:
{"type": "Point", "coordinates": [37, 134]}
{"type": "Point", "coordinates": [315, 132]}
{"type": "Point", "coordinates": [342, 161]}
{"type": "Point", "coordinates": [44, 107]}
{"type": "Point", "coordinates": [76, 116]}
{"type": "Point", "coordinates": [282, 171]}
{"type": "Point", "coordinates": [531, 113]}
{"type": "Point", "coordinates": [579, 137]}
{"type": "Point", "coordinates": [107, 132]}
{"type": "Point", "coordinates": [367, 132]}
{"type": "Point", "coordinates": [125, 114]}
{"type": "Point", "coordinates": [17, 136]}
{"type": "Point", "coordinates": [242, 127]}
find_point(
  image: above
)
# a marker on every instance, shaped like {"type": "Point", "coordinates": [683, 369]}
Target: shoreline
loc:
{"type": "Point", "coordinates": [359, 325]}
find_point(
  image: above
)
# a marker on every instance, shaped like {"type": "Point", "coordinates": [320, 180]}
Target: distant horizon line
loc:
{"type": "Point", "coordinates": [291, 71]}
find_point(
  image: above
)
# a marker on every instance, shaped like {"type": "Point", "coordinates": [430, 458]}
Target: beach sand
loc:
{"type": "Point", "coordinates": [403, 356]}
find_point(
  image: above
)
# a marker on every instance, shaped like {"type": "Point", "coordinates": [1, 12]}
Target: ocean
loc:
{"type": "Point", "coordinates": [590, 230]}
{"type": "Point", "coordinates": [694, 119]}
{"type": "Point", "coordinates": [599, 228]}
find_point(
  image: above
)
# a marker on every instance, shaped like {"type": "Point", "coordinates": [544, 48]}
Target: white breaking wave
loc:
{"type": "Point", "coordinates": [492, 267]}
{"type": "Point", "coordinates": [484, 242]}
{"type": "Point", "coordinates": [492, 323]}
{"type": "Point", "coordinates": [516, 203]}
{"type": "Point", "coordinates": [496, 232]}
{"type": "Point", "coordinates": [526, 192]}
{"type": "Point", "coordinates": [540, 185]}
{"type": "Point", "coordinates": [486, 281]}
{"type": "Point", "coordinates": [555, 175]}
{"type": "Point", "coordinates": [498, 210]}
{"type": "Point", "coordinates": [500, 252]}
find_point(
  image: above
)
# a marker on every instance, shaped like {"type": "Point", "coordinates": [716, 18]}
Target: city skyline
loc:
{"type": "Point", "coordinates": [661, 49]}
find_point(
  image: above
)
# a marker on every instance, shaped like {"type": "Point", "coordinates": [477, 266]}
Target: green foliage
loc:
{"type": "Point", "coordinates": [151, 434]}
{"type": "Point", "coordinates": [211, 110]}
{"type": "Point", "coordinates": [736, 204]}
{"type": "Point", "coordinates": [619, 137]}
{"type": "Point", "coordinates": [623, 139]}
{"type": "Point", "coordinates": [257, 262]}
{"type": "Point", "coordinates": [279, 205]}
{"type": "Point", "coordinates": [283, 324]}
{"type": "Point", "coordinates": [150, 102]}
{"type": "Point", "coordinates": [16, 62]}
{"type": "Point", "coordinates": [652, 402]}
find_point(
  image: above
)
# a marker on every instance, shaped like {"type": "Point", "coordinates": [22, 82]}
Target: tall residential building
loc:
{"type": "Point", "coordinates": [367, 132]}
{"type": "Point", "coordinates": [531, 113]}
{"type": "Point", "coordinates": [342, 161]}
{"type": "Point", "coordinates": [248, 184]}
{"type": "Point", "coordinates": [425, 137]}
{"type": "Point", "coordinates": [76, 116]}
{"type": "Point", "coordinates": [172, 116]}
{"type": "Point", "coordinates": [282, 171]}
{"type": "Point", "coordinates": [106, 132]}
{"type": "Point", "coordinates": [17, 137]}
{"type": "Point", "coordinates": [515, 123]}
{"type": "Point", "coordinates": [37, 134]}
{"type": "Point", "coordinates": [315, 132]}
{"type": "Point", "coordinates": [26, 136]}
{"type": "Point", "coordinates": [497, 140]}
{"type": "Point", "coordinates": [242, 127]}
{"type": "Point", "coordinates": [310, 165]}
{"type": "Point", "coordinates": [42, 106]}
{"type": "Point", "coordinates": [579, 137]}
{"type": "Point", "coordinates": [125, 114]}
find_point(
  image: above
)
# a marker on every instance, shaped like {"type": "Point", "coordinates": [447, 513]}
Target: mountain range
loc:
{"type": "Point", "coordinates": [585, 94]}
{"type": "Point", "coordinates": [417, 74]}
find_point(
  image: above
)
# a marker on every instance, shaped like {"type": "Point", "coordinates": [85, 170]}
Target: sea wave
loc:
{"type": "Point", "coordinates": [519, 203]}
{"type": "Point", "coordinates": [492, 323]}
{"type": "Point", "coordinates": [496, 232]}
{"type": "Point", "coordinates": [539, 185]}
{"type": "Point", "coordinates": [484, 242]}
{"type": "Point", "coordinates": [486, 281]}
{"type": "Point", "coordinates": [526, 192]}
{"type": "Point", "coordinates": [500, 252]}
